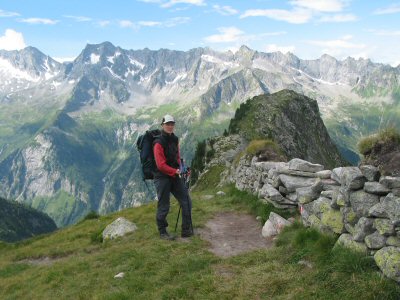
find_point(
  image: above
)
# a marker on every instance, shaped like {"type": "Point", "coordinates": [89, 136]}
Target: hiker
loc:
{"type": "Point", "coordinates": [167, 180]}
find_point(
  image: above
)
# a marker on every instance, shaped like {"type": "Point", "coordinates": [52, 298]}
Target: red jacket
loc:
{"type": "Point", "coordinates": [161, 161]}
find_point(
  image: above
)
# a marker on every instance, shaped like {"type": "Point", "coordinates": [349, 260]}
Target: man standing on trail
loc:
{"type": "Point", "coordinates": [167, 180]}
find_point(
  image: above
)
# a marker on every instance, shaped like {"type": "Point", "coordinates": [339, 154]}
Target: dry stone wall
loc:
{"type": "Point", "coordinates": [356, 203]}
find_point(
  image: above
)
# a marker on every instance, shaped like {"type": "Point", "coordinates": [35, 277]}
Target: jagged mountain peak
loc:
{"type": "Point", "coordinates": [326, 58]}
{"type": "Point", "coordinates": [245, 51]}
{"type": "Point", "coordinates": [29, 64]}
{"type": "Point", "coordinates": [95, 53]}
{"type": "Point", "coordinates": [104, 46]}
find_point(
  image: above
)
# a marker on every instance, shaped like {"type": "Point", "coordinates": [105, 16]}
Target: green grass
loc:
{"type": "Point", "coordinates": [339, 273]}
{"type": "Point", "coordinates": [83, 267]}
{"type": "Point", "coordinates": [386, 135]}
{"type": "Point", "coordinates": [253, 205]}
{"type": "Point", "coordinates": [256, 147]}
{"type": "Point", "coordinates": [211, 180]}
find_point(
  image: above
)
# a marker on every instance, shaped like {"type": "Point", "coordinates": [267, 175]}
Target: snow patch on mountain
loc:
{"type": "Point", "coordinates": [49, 73]}
{"type": "Point", "coordinates": [111, 59]}
{"type": "Point", "coordinates": [179, 77]}
{"type": "Point", "coordinates": [94, 58]}
{"type": "Point", "coordinates": [113, 74]}
{"type": "Point", "coordinates": [147, 78]}
{"type": "Point", "coordinates": [318, 79]}
{"type": "Point", "coordinates": [8, 70]}
{"type": "Point", "coordinates": [216, 60]}
{"type": "Point", "coordinates": [56, 83]}
{"type": "Point", "coordinates": [136, 63]}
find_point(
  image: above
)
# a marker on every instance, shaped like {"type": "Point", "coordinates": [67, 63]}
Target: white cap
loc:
{"type": "Point", "coordinates": [167, 119]}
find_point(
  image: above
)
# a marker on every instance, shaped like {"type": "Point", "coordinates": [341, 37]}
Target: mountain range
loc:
{"type": "Point", "coordinates": [67, 130]}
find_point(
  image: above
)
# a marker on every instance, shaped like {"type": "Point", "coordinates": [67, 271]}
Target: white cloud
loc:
{"type": "Point", "coordinates": [174, 2]}
{"type": "Point", "coordinates": [163, 24]}
{"type": "Point", "coordinates": [227, 35]}
{"type": "Point", "coordinates": [127, 24]}
{"type": "Point", "coordinates": [4, 13]}
{"type": "Point", "coordinates": [321, 5]}
{"type": "Point", "coordinates": [283, 49]}
{"type": "Point", "coordinates": [392, 9]}
{"type": "Point", "coordinates": [176, 21]}
{"type": "Point", "coordinates": [275, 33]}
{"type": "Point", "coordinates": [79, 18]}
{"type": "Point", "coordinates": [340, 47]}
{"type": "Point", "coordinates": [303, 11]}
{"type": "Point", "coordinates": [343, 43]}
{"type": "Point", "coordinates": [338, 18]}
{"type": "Point", "coordinates": [103, 23]}
{"type": "Point", "coordinates": [12, 40]}
{"type": "Point", "coordinates": [296, 16]}
{"type": "Point", "coordinates": [385, 32]}
{"type": "Point", "coordinates": [238, 37]}
{"type": "Point", "coordinates": [39, 21]}
{"type": "Point", "coordinates": [149, 23]}
{"type": "Point", "coordinates": [225, 10]}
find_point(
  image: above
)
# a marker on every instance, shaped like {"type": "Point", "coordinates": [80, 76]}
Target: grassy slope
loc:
{"type": "Point", "coordinates": [156, 269]}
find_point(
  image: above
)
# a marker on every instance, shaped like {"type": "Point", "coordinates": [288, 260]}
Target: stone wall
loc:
{"type": "Point", "coordinates": [356, 203]}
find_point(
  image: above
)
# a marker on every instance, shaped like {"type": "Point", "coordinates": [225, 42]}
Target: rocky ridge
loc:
{"type": "Point", "coordinates": [292, 121]}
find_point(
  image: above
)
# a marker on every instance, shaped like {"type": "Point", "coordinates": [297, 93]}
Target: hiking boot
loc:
{"type": "Point", "coordinates": [187, 233]}
{"type": "Point", "coordinates": [167, 236]}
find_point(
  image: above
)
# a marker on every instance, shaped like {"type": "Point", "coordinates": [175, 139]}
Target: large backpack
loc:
{"type": "Point", "coordinates": [144, 145]}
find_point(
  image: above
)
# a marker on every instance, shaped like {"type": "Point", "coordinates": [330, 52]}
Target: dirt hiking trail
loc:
{"type": "Point", "coordinates": [232, 233]}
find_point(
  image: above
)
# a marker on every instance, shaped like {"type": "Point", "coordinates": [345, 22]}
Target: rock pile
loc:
{"type": "Point", "coordinates": [357, 203]}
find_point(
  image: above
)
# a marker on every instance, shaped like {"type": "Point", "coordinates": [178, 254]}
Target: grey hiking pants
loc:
{"type": "Point", "coordinates": [165, 186]}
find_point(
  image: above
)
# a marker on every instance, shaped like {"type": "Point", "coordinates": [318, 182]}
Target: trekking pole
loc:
{"type": "Point", "coordinates": [183, 176]}
{"type": "Point", "coordinates": [186, 182]}
{"type": "Point", "coordinates": [180, 176]}
{"type": "Point", "coordinates": [177, 219]}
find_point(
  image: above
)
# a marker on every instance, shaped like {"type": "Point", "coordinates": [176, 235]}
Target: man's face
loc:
{"type": "Point", "coordinates": [169, 127]}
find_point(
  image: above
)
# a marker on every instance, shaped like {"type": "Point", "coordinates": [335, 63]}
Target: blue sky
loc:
{"type": "Point", "coordinates": [307, 28]}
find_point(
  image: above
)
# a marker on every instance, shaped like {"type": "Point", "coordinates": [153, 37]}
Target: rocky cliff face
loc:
{"type": "Point", "coordinates": [71, 169]}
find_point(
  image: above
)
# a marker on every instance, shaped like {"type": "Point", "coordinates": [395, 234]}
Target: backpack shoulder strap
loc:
{"type": "Point", "coordinates": [159, 139]}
